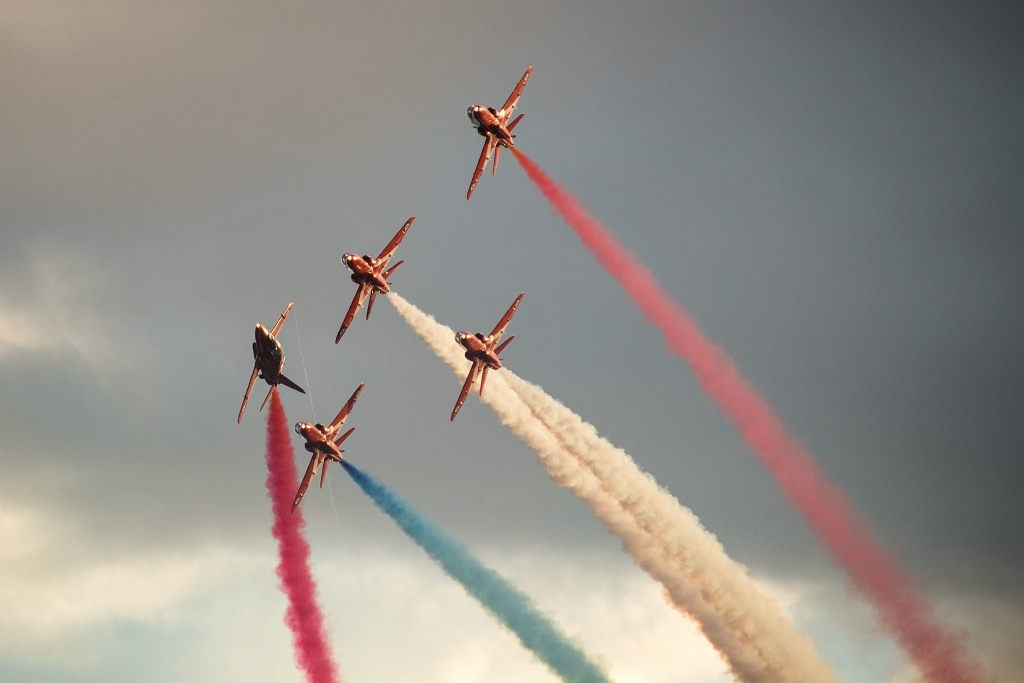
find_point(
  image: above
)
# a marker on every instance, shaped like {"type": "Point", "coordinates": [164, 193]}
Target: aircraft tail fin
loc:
{"type": "Point", "coordinates": [341, 439]}
{"type": "Point", "coordinates": [483, 378]}
{"type": "Point", "coordinates": [497, 155]}
{"type": "Point", "coordinates": [323, 475]}
{"type": "Point", "coordinates": [387, 273]}
{"type": "Point", "coordinates": [501, 347]}
{"type": "Point", "coordinates": [514, 122]}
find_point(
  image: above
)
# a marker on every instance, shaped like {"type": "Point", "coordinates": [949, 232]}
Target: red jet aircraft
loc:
{"type": "Point", "coordinates": [321, 443]}
{"type": "Point", "coordinates": [481, 351]}
{"type": "Point", "coordinates": [492, 125]}
{"type": "Point", "coordinates": [269, 362]}
{"type": "Point", "coordinates": [371, 277]}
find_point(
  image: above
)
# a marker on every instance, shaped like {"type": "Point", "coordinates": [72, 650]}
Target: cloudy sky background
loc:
{"type": "Point", "coordinates": [835, 193]}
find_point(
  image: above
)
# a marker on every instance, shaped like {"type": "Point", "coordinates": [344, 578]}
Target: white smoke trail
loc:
{"type": "Point", "coordinates": [658, 546]}
{"type": "Point", "coordinates": [755, 618]}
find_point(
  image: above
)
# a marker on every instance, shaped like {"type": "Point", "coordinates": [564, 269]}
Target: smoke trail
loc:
{"type": "Point", "coordinates": [695, 553]}
{"type": "Point", "coordinates": [303, 616]}
{"type": "Point", "coordinates": [873, 569]}
{"type": "Point", "coordinates": [499, 597]}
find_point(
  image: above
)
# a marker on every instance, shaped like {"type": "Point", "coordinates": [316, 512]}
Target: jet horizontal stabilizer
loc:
{"type": "Point", "coordinates": [290, 384]}
{"type": "Point", "coordinates": [502, 346]}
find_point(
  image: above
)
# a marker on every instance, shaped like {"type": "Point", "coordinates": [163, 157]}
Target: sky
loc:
{"type": "Point", "coordinates": [834, 192]}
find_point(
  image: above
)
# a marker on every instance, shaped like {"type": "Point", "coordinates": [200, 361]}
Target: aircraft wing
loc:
{"type": "Point", "coordinates": [485, 156]}
{"type": "Point", "coordinates": [346, 409]}
{"type": "Point", "coordinates": [357, 301]}
{"type": "Point", "coordinates": [248, 390]}
{"type": "Point", "coordinates": [513, 99]}
{"type": "Point", "coordinates": [466, 388]}
{"type": "Point", "coordinates": [389, 250]}
{"type": "Point", "coordinates": [503, 323]}
{"type": "Point", "coordinates": [280, 321]}
{"type": "Point", "coordinates": [314, 465]}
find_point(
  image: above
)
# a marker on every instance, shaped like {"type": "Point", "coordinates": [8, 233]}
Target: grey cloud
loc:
{"type": "Point", "coordinates": [833, 192]}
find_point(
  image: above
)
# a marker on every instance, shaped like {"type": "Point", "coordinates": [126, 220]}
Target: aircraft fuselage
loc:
{"type": "Point", "coordinates": [268, 354]}
{"type": "Point", "coordinates": [487, 121]}
{"type": "Point", "coordinates": [317, 440]}
{"type": "Point", "coordinates": [363, 272]}
{"type": "Point", "coordinates": [477, 349]}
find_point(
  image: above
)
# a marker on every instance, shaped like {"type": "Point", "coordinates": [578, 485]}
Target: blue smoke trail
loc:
{"type": "Point", "coordinates": [499, 597]}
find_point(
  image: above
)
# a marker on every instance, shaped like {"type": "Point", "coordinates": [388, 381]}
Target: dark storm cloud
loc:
{"type": "Point", "coordinates": [847, 228]}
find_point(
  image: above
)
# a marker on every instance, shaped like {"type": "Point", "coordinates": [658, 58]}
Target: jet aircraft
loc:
{"type": "Point", "coordinates": [371, 277]}
{"type": "Point", "coordinates": [493, 125]}
{"type": "Point", "coordinates": [321, 443]}
{"type": "Point", "coordinates": [269, 362]}
{"type": "Point", "coordinates": [482, 352]}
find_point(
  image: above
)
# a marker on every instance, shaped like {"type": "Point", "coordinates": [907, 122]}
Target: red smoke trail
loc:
{"type": "Point", "coordinates": [872, 568]}
{"type": "Point", "coordinates": [303, 616]}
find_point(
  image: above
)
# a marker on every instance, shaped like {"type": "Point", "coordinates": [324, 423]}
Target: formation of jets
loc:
{"type": "Point", "coordinates": [371, 275]}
